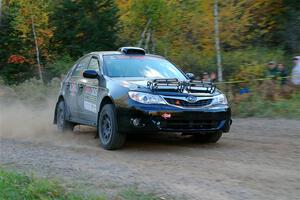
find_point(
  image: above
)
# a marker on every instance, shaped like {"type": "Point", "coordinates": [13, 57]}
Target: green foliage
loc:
{"type": "Point", "coordinates": [15, 73]}
{"type": "Point", "coordinates": [28, 13]}
{"type": "Point", "coordinates": [233, 62]}
{"type": "Point", "coordinates": [252, 33]}
{"type": "Point", "coordinates": [34, 92]}
{"type": "Point", "coordinates": [17, 186]}
{"type": "Point", "coordinates": [83, 26]}
{"type": "Point", "coordinates": [59, 66]}
{"type": "Point", "coordinates": [31, 20]}
{"type": "Point", "coordinates": [289, 34]}
{"type": "Point", "coordinates": [257, 106]}
{"type": "Point", "coordinates": [133, 194]}
{"type": "Point", "coordinates": [11, 44]}
{"type": "Point", "coordinates": [250, 72]}
{"type": "Point", "coordinates": [74, 28]}
{"type": "Point", "coordinates": [266, 98]}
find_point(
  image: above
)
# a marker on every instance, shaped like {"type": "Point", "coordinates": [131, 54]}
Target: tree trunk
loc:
{"type": "Point", "coordinates": [217, 41]}
{"type": "Point", "coordinates": [147, 41]}
{"type": "Point", "coordinates": [143, 33]}
{"type": "Point", "coordinates": [0, 13]}
{"type": "Point", "coordinates": [37, 49]}
{"type": "Point", "coordinates": [153, 43]}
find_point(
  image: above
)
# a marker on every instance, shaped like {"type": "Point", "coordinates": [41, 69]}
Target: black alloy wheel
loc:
{"type": "Point", "coordinates": [110, 138]}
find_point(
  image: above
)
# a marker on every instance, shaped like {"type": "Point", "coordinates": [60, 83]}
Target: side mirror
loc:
{"type": "Point", "coordinates": [190, 76]}
{"type": "Point", "coordinates": [90, 74]}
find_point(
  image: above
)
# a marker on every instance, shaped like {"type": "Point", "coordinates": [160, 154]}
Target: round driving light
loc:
{"type": "Point", "coordinates": [136, 122]}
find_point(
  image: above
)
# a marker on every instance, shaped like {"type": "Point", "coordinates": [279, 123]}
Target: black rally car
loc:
{"type": "Point", "coordinates": [128, 90]}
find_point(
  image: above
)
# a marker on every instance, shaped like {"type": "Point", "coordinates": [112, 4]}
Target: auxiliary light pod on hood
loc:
{"type": "Point", "coordinates": [174, 84]}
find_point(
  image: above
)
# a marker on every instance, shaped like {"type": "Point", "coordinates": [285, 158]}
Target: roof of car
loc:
{"type": "Point", "coordinates": [119, 53]}
{"type": "Point", "coordinates": [106, 52]}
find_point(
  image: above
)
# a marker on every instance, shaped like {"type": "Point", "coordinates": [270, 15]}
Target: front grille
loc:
{"type": "Point", "coordinates": [189, 124]}
{"type": "Point", "coordinates": [179, 102]}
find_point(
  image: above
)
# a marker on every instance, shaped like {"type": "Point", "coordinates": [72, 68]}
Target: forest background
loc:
{"type": "Point", "coordinates": [42, 38]}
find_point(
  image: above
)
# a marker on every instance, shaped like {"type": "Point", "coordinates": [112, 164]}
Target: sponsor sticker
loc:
{"type": "Point", "coordinates": [90, 96]}
{"type": "Point", "coordinates": [90, 106]}
{"type": "Point", "coordinates": [91, 91]}
{"type": "Point", "coordinates": [73, 89]}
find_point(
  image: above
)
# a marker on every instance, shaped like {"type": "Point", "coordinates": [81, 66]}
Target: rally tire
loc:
{"type": "Point", "coordinates": [110, 138]}
{"type": "Point", "coordinates": [208, 137]}
{"type": "Point", "coordinates": [62, 124]}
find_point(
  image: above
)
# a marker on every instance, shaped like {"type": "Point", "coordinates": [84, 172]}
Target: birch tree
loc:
{"type": "Point", "coordinates": [32, 22]}
{"type": "Point", "coordinates": [217, 41]}
{"type": "Point", "coordinates": [0, 12]}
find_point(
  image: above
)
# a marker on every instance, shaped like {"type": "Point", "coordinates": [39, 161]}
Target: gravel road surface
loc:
{"type": "Point", "coordinates": [259, 159]}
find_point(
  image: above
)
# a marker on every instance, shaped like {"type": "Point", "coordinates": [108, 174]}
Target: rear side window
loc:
{"type": "Point", "coordinates": [82, 65]}
{"type": "Point", "coordinates": [71, 70]}
{"type": "Point", "coordinates": [94, 64]}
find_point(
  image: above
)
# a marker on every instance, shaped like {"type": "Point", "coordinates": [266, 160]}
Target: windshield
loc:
{"type": "Point", "coordinates": [140, 66]}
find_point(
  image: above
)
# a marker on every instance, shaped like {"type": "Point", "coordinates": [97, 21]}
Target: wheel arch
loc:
{"type": "Point", "coordinates": [105, 100]}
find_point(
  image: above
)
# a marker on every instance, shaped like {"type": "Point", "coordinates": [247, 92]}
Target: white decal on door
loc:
{"type": "Point", "coordinates": [90, 106]}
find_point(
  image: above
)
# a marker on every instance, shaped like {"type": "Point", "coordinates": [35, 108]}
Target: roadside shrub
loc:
{"type": "Point", "coordinates": [258, 104]}
{"type": "Point", "coordinates": [249, 72]}
{"type": "Point", "coordinates": [13, 73]}
{"type": "Point", "coordinates": [59, 66]}
{"type": "Point", "coordinates": [32, 92]}
{"type": "Point", "coordinates": [233, 61]}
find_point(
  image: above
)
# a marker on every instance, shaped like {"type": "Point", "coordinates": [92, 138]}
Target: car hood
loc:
{"type": "Point", "coordinates": [138, 83]}
{"type": "Point", "coordinates": [133, 84]}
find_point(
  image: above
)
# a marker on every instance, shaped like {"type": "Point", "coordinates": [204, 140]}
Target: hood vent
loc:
{"type": "Point", "coordinates": [132, 50]}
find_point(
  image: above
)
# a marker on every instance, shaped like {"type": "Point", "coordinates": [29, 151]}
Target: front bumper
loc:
{"type": "Point", "coordinates": [166, 118]}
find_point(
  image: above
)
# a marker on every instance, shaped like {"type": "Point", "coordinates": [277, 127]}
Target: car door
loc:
{"type": "Point", "coordinates": [68, 91]}
{"type": "Point", "coordinates": [89, 97]}
{"type": "Point", "coordinates": [76, 87]}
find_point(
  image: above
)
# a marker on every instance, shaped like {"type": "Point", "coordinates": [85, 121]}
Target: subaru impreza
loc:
{"type": "Point", "coordinates": [126, 91]}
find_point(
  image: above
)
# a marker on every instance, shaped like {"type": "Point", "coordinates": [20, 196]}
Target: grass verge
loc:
{"type": "Point", "coordinates": [256, 106]}
{"type": "Point", "coordinates": [18, 186]}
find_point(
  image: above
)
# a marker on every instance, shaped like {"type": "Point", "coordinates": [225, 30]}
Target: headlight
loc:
{"type": "Point", "coordinates": [146, 98]}
{"type": "Point", "coordinates": [220, 99]}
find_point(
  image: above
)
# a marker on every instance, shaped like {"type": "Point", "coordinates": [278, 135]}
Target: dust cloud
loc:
{"type": "Point", "coordinates": [32, 120]}
{"type": "Point", "coordinates": [25, 120]}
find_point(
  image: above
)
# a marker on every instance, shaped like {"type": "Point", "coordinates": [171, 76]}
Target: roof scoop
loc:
{"type": "Point", "coordinates": [132, 50]}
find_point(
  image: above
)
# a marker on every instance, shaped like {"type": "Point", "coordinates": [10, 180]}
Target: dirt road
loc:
{"type": "Point", "coordinates": [259, 159]}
